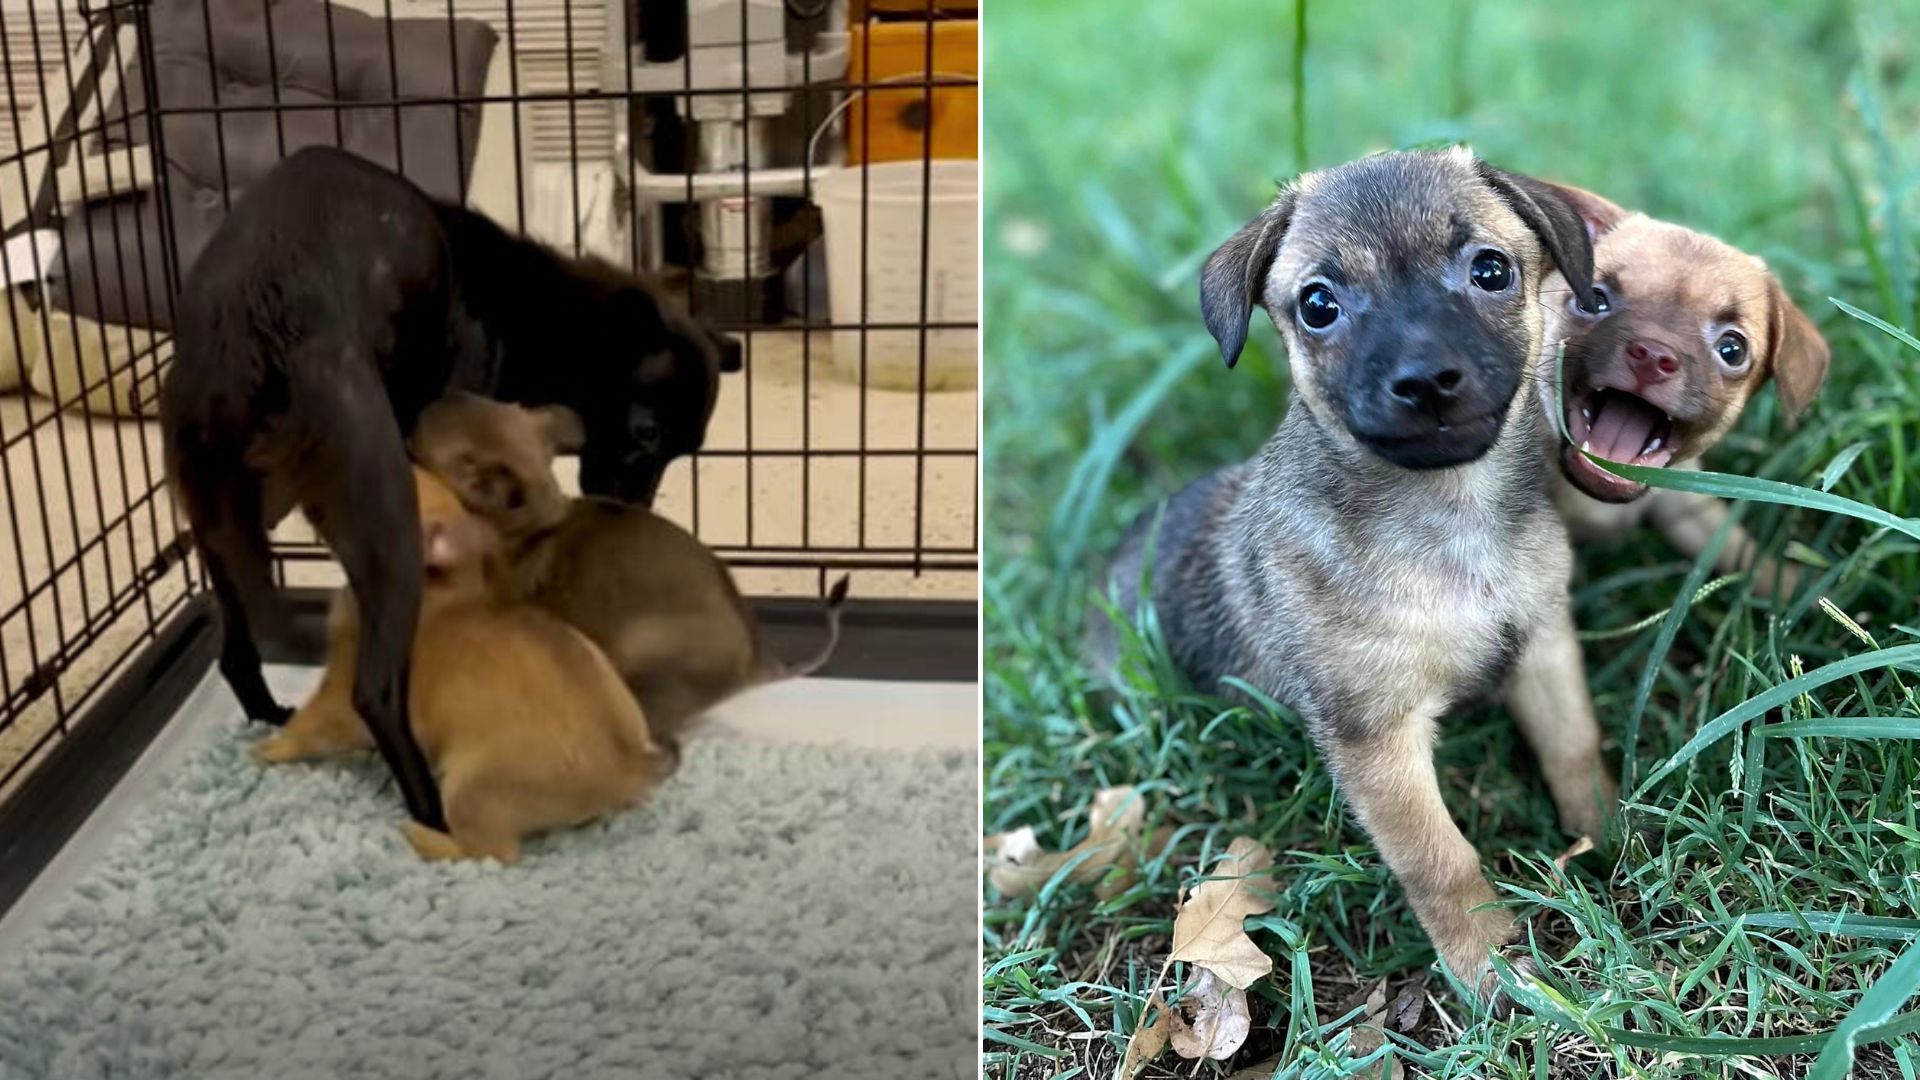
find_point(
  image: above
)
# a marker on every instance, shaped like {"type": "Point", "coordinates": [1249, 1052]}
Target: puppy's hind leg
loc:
{"type": "Point", "coordinates": [473, 832]}
{"type": "Point", "coordinates": [364, 504]}
{"type": "Point", "coordinates": [1388, 778]}
{"type": "Point", "coordinates": [323, 727]}
{"type": "Point", "coordinates": [1550, 701]}
{"type": "Point", "coordinates": [226, 510]}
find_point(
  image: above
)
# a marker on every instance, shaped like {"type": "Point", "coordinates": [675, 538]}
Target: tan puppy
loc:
{"type": "Point", "coordinates": [660, 603]}
{"type": "Point", "coordinates": [525, 723]}
{"type": "Point", "coordinates": [1688, 330]}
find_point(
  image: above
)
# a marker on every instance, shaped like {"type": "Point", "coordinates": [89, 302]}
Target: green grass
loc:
{"type": "Point", "coordinates": [1769, 872]}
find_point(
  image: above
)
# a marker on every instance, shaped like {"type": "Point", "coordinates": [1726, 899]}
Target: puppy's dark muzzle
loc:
{"type": "Point", "coordinates": [1434, 444]}
{"type": "Point", "coordinates": [635, 480]}
{"type": "Point", "coordinates": [1430, 415]}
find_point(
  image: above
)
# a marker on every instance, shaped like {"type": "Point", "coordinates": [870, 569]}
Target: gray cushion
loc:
{"type": "Point", "coordinates": [117, 262]}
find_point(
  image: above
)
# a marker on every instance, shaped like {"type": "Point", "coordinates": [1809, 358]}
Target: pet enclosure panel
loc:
{"type": "Point", "coordinates": [805, 474]}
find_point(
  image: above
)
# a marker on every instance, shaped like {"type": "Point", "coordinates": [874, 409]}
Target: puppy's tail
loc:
{"type": "Point", "coordinates": [836, 600]}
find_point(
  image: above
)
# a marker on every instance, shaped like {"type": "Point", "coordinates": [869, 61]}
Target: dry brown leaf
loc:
{"type": "Point", "coordinates": [1371, 1032]}
{"type": "Point", "coordinates": [1219, 1021]}
{"type": "Point", "coordinates": [1147, 1040]}
{"type": "Point", "coordinates": [1209, 929]}
{"type": "Point", "coordinates": [1404, 1015]}
{"type": "Point", "coordinates": [1580, 847]}
{"type": "Point", "coordinates": [1018, 867]}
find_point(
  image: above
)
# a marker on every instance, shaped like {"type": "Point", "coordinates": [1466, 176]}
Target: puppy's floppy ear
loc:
{"type": "Point", "coordinates": [561, 427]}
{"type": "Point", "coordinates": [1600, 214]}
{"type": "Point", "coordinates": [1800, 355]}
{"type": "Point", "coordinates": [1561, 229]}
{"type": "Point", "coordinates": [1231, 283]}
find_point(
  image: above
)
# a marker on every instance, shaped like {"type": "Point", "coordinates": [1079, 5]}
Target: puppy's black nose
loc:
{"type": "Point", "coordinates": [1426, 387]}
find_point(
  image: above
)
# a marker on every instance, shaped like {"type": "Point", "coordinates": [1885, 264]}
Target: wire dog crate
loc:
{"type": "Point", "coordinates": [687, 139]}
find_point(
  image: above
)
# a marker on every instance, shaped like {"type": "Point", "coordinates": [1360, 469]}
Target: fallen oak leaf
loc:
{"type": "Point", "coordinates": [1407, 1008]}
{"type": "Point", "coordinates": [1580, 847]}
{"type": "Point", "coordinates": [1209, 929]}
{"type": "Point", "coordinates": [1019, 867]}
{"type": "Point", "coordinates": [1220, 1020]}
{"type": "Point", "coordinates": [1370, 1033]}
{"type": "Point", "coordinates": [1147, 1040]}
{"type": "Point", "coordinates": [1211, 902]}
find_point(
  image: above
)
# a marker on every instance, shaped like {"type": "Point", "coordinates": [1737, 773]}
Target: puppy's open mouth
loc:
{"type": "Point", "coordinates": [1617, 426]}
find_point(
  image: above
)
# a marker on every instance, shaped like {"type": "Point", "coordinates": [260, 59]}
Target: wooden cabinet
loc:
{"type": "Point", "coordinates": [901, 118]}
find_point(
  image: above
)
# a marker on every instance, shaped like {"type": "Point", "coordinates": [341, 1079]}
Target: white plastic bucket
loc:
{"type": "Point", "coordinates": [891, 292]}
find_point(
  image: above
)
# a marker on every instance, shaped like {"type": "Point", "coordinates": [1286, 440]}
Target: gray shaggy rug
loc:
{"type": "Point", "coordinates": [776, 912]}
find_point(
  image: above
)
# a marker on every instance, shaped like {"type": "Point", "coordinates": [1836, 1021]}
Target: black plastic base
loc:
{"type": "Point", "coordinates": [739, 302]}
{"type": "Point", "coordinates": [57, 796]}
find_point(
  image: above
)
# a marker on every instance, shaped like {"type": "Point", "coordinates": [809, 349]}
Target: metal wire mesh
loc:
{"type": "Point", "coordinates": [116, 161]}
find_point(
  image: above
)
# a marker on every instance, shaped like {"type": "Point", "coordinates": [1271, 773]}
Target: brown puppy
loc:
{"type": "Point", "coordinates": [1392, 553]}
{"type": "Point", "coordinates": [1686, 331]}
{"type": "Point", "coordinates": [525, 723]}
{"type": "Point", "coordinates": [660, 603]}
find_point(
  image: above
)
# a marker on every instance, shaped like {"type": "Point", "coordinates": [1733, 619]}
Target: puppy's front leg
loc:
{"type": "Point", "coordinates": [1386, 772]}
{"type": "Point", "coordinates": [1550, 700]}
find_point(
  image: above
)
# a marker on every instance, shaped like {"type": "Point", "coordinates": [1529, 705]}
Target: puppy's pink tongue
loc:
{"type": "Point", "coordinates": [1621, 424]}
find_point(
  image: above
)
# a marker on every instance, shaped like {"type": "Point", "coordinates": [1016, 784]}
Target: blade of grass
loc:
{"type": "Point", "coordinates": [1087, 487]}
{"type": "Point", "coordinates": [1840, 924]}
{"type": "Point", "coordinates": [1877, 323]}
{"type": "Point", "coordinates": [1300, 85]}
{"type": "Point", "coordinates": [1843, 727]}
{"type": "Point", "coordinates": [1753, 489]}
{"type": "Point", "coordinates": [1839, 465]}
{"type": "Point", "coordinates": [1717, 729]}
{"type": "Point", "coordinates": [994, 1034]}
{"type": "Point", "coordinates": [1876, 1005]}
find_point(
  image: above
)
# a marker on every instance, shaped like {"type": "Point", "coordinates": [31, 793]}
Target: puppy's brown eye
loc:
{"type": "Point", "coordinates": [1491, 271]}
{"type": "Point", "coordinates": [1601, 305]}
{"type": "Point", "coordinates": [1732, 349]}
{"type": "Point", "coordinates": [1318, 308]}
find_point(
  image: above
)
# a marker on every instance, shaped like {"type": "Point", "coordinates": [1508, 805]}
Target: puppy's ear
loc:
{"type": "Point", "coordinates": [493, 489]}
{"type": "Point", "coordinates": [1561, 229]}
{"type": "Point", "coordinates": [1231, 283]}
{"type": "Point", "coordinates": [1599, 214]}
{"type": "Point", "coordinates": [561, 427]}
{"type": "Point", "coordinates": [1800, 355]}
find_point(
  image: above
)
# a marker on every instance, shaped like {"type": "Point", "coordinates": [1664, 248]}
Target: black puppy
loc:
{"type": "Point", "coordinates": [335, 303]}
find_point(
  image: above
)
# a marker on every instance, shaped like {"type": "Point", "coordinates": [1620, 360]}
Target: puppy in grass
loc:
{"type": "Point", "coordinates": [661, 604]}
{"type": "Point", "coordinates": [525, 723]}
{"type": "Point", "coordinates": [1683, 333]}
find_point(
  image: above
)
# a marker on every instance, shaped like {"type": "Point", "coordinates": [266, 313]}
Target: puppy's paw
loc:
{"type": "Point", "coordinates": [1776, 580]}
{"type": "Point", "coordinates": [277, 716]}
{"type": "Point", "coordinates": [1585, 813]}
{"type": "Point", "coordinates": [432, 844]}
{"type": "Point", "coordinates": [1493, 994]}
{"type": "Point", "coordinates": [277, 749]}
{"type": "Point", "coordinates": [1468, 954]}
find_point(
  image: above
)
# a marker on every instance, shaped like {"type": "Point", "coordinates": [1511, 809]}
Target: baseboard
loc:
{"type": "Point", "coordinates": [58, 795]}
